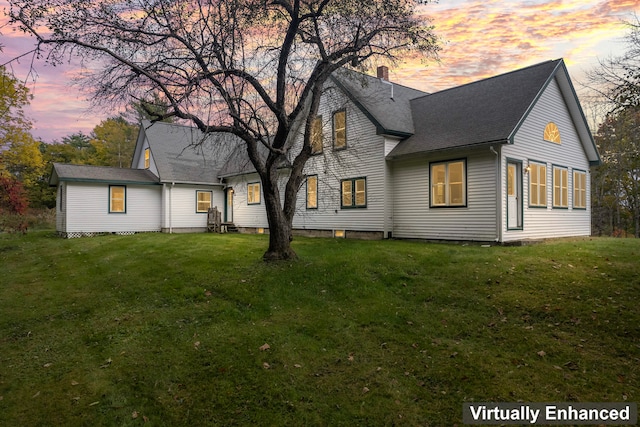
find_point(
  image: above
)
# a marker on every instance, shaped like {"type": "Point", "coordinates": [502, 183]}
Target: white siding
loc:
{"type": "Point", "coordinates": [179, 210]}
{"type": "Point", "coordinates": [412, 216]}
{"type": "Point", "coordinates": [363, 158]}
{"type": "Point", "coordinates": [530, 146]}
{"type": "Point", "coordinates": [87, 209]}
{"type": "Point", "coordinates": [244, 214]}
{"type": "Point", "coordinates": [140, 160]}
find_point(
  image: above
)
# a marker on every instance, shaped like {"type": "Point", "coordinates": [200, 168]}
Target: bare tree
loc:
{"type": "Point", "coordinates": [616, 183]}
{"type": "Point", "coordinates": [252, 68]}
{"type": "Point", "coordinates": [616, 81]}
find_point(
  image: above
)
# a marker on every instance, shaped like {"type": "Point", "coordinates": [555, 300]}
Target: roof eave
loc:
{"type": "Point", "coordinates": [108, 181]}
{"type": "Point", "coordinates": [391, 156]}
{"type": "Point", "coordinates": [394, 133]}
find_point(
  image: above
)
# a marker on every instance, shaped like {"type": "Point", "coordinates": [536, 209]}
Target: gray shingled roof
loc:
{"type": "Point", "coordinates": [85, 173]}
{"type": "Point", "coordinates": [487, 111]}
{"type": "Point", "coordinates": [392, 116]}
{"type": "Point", "coordinates": [183, 154]}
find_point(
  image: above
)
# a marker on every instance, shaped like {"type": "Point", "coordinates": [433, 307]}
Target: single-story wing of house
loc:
{"type": "Point", "coordinates": [502, 159]}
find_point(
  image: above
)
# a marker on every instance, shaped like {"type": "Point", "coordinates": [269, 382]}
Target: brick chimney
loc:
{"type": "Point", "coordinates": [383, 72]}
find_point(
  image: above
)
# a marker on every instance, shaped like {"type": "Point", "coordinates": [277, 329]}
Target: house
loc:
{"type": "Point", "coordinates": [499, 160]}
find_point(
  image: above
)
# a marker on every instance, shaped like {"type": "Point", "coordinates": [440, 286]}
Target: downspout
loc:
{"type": "Point", "coordinates": [171, 207]}
{"type": "Point", "coordinates": [498, 196]}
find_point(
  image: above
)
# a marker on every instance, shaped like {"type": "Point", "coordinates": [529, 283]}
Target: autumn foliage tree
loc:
{"type": "Point", "coordinates": [252, 68]}
{"type": "Point", "coordinates": [21, 162]}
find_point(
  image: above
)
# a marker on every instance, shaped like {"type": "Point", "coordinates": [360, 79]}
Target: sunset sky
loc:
{"type": "Point", "coordinates": [481, 38]}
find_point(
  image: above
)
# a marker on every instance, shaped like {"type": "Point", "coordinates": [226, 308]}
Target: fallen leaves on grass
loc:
{"type": "Point", "coordinates": [265, 347]}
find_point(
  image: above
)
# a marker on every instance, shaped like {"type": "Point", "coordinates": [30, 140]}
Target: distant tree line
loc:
{"type": "Point", "coordinates": [615, 186]}
{"type": "Point", "coordinates": [26, 163]}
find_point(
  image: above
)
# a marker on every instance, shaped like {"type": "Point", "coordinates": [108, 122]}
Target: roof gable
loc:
{"type": "Point", "coordinates": [386, 104]}
{"type": "Point", "coordinates": [184, 154]}
{"type": "Point", "coordinates": [487, 111]}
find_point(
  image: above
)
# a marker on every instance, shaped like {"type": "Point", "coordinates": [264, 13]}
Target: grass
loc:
{"type": "Point", "coordinates": [160, 329]}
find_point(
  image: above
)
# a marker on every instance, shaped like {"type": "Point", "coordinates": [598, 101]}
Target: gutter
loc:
{"type": "Point", "coordinates": [208, 184]}
{"type": "Point", "coordinates": [474, 145]}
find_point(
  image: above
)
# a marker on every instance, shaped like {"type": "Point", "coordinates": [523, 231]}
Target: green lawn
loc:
{"type": "Point", "coordinates": [160, 329]}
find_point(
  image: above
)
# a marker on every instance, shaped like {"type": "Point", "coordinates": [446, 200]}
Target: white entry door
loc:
{"type": "Point", "coordinates": [514, 205]}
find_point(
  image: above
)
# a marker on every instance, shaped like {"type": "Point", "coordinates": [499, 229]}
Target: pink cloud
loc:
{"type": "Point", "coordinates": [480, 38]}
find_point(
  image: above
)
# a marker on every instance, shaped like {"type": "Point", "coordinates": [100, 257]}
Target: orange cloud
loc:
{"type": "Point", "coordinates": [481, 38]}
{"type": "Point", "coordinates": [484, 38]}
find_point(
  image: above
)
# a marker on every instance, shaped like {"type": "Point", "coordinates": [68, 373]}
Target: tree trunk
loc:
{"type": "Point", "coordinates": [280, 234]}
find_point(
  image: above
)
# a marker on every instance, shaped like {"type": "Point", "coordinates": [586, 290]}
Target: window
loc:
{"type": "Point", "coordinates": [552, 133]}
{"type": "Point", "coordinates": [560, 186]}
{"type": "Point", "coordinates": [117, 199]}
{"type": "Point", "coordinates": [312, 192]}
{"type": "Point", "coordinates": [253, 193]}
{"type": "Point", "coordinates": [579, 189]}
{"type": "Point", "coordinates": [316, 135]}
{"type": "Point", "coordinates": [448, 184]}
{"type": "Point", "coordinates": [354, 193]}
{"type": "Point", "coordinates": [203, 201]}
{"type": "Point", "coordinates": [537, 184]}
{"type": "Point", "coordinates": [340, 129]}
{"type": "Point", "coordinates": [147, 158]}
